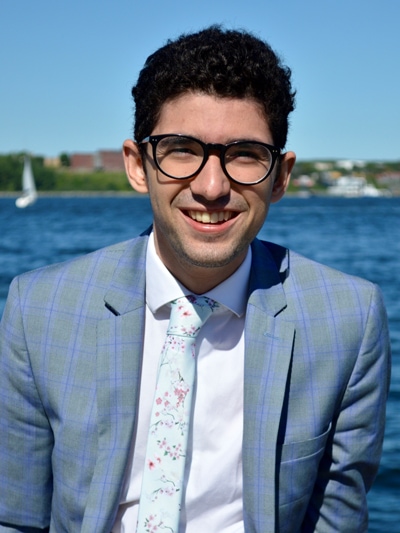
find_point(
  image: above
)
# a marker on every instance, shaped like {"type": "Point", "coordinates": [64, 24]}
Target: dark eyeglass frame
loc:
{"type": "Point", "coordinates": [207, 147]}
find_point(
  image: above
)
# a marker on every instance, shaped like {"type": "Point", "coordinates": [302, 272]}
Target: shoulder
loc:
{"type": "Point", "coordinates": [327, 307]}
{"type": "Point", "coordinates": [306, 280]}
{"type": "Point", "coordinates": [303, 270]}
{"type": "Point", "coordinates": [89, 271]}
{"type": "Point", "coordinates": [101, 257]}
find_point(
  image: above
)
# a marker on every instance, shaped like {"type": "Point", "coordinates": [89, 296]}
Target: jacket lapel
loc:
{"type": "Point", "coordinates": [119, 354]}
{"type": "Point", "coordinates": [268, 350]}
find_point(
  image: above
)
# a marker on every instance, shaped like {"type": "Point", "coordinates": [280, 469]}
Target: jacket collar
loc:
{"type": "Point", "coordinates": [270, 267]}
{"type": "Point", "coordinates": [126, 290]}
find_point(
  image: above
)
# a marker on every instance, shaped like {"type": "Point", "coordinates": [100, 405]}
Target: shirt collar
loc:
{"type": "Point", "coordinates": [162, 287]}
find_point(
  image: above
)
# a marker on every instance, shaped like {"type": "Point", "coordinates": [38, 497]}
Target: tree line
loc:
{"type": "Point", "coordinates": [57, 179]}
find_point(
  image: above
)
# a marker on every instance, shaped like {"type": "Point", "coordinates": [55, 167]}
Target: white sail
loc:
{"type": "Point", "coordinates": [29, 193]}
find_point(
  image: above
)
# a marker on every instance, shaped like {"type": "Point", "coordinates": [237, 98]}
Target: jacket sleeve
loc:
{"type": "Point", "coordinates": [353, 453]}
{"type": "Point", "coordinates": [26, 438]}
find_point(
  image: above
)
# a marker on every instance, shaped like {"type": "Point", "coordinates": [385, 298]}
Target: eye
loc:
{"type": "Point", "coordinates": [243, 153]}
{"type": "Point", "coordinates": [178, 147]}
{"type": "Point", "coordinates": [248, 152]}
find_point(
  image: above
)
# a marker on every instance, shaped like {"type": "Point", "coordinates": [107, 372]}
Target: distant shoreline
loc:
{"type": "Point", "coordinates": [73, 194]}
{"type": "Point", "coordinates": [134, 194]}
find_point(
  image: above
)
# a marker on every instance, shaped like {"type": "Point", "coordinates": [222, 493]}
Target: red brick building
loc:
{"type": "Point", "coordinates": [82, 162]}
{"type": "Point", "coordinates": [108, 160]}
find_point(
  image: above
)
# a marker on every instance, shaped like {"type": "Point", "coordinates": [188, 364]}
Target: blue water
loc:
{"type": "Point", "coordinates": [358, 236]}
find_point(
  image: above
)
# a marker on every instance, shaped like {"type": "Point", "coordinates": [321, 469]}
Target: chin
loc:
{"type": "Point", "coordinates": [209, 260]}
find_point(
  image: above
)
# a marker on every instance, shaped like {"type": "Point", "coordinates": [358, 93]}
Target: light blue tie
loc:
{"type": "Point", "coordinates": [161, 494]}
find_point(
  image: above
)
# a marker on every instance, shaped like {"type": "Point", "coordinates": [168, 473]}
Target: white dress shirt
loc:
{"type": "Point", "coordinates": [213, 500]}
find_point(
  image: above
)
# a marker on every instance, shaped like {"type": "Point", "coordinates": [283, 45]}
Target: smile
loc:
{"type": "Point", "coordinates": [211, 218]}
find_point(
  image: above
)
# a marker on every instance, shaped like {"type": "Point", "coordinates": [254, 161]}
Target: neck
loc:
{"type": "Point", "coordinates": [199, 279]}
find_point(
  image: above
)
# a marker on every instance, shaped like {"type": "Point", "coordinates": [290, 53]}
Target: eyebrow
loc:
{"type": "Point", "coordinates": [228, 141]}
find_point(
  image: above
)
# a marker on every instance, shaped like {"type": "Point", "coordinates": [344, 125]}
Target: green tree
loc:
{"type": "Point", "coordinates": [65, 160]}
{"type": "Point", "coordinates": [11, 167]}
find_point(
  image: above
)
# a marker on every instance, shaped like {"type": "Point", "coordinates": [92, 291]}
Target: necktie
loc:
{"type": "Point", "coordinates": [161, 494]}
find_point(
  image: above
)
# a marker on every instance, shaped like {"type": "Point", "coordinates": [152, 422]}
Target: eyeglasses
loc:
{"type": "Point", "coordinates": [182, 157]}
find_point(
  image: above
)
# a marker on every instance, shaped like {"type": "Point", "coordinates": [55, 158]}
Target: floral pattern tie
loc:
{"type": "Point", "coordinates": [161, 494]}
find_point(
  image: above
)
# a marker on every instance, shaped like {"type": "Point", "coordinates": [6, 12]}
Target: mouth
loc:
{"type": "Point", "coordinates": [214, 217]}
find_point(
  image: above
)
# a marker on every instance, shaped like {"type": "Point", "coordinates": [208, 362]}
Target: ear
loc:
{"type": "Point", "coordinates": [282, 180]}
{"type": "Point", "coordinates": [134, 167]}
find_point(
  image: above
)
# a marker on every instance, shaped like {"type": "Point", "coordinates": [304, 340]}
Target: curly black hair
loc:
{"type": "Point", "coordinates": [224, 63]}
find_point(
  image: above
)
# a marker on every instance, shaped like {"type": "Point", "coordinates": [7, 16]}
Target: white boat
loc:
{"type": "Point", "coordinates": [355, 187]}
{"type": "Point", "coordinates": [29, 194]}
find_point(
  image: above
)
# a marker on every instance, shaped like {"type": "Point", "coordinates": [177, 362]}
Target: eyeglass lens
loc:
{"type": "Point", "coordinates": [182, 157]}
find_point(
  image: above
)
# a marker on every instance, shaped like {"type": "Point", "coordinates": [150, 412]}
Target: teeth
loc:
{"type": "Point", "coordinates": [210, 218]}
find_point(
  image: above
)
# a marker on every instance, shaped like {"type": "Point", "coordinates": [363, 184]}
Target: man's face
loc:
{"type": "Point", "coordinates": [204, 225]}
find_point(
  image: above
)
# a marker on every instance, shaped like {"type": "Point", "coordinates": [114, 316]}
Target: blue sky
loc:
{"type": "Point", "coordinates": [67, 68]}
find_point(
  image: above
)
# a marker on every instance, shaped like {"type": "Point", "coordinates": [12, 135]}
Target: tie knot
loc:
{"type": "Point", "coordinates": [189, 313]}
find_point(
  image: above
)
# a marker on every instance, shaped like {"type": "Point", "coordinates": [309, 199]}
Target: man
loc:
{"type": "Point", "coordinates": [292, 369]}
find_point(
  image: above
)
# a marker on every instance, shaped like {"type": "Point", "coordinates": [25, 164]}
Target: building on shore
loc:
{"type": "Point", "coordinates": [108, 160]}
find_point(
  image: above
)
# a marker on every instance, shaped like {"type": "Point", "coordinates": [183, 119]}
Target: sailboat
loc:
{"type": "Point", "coordinates": [29, 194]}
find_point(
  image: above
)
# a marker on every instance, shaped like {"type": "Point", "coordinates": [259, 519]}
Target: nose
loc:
{"type": "Point", "coordinates": [211, 182]}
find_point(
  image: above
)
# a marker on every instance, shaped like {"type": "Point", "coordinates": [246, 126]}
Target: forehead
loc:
{"type": "Point", "coordinates": [213, 118]}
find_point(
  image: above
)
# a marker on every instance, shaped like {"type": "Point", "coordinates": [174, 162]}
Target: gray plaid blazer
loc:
{"type": "Point", "coordinates": [316, 378]}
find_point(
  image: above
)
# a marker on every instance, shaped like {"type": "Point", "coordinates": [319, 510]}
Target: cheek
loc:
{"type": "Point", "coordinates": [259, 205]}
{"type": "Point", "coordinates": [259, 200]}
{"type": "Point", "coordinates": [162, 192]}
